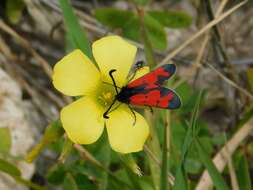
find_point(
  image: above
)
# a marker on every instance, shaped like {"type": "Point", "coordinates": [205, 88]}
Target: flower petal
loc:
{"type": "Point", "coordinates": [75, 75]}
{"type": "Point", "coordinates": [112, 52]}
{"type": "Point", "coordinates": [83, 120]}
{"type": "Point", "coordinates": [125, 137]}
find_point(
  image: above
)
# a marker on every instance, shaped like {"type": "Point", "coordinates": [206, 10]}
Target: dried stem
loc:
{"type": "Point", "coordinates": [41, 61]}
{"type": "Point", "coordinates": [201, 32]}
{"type": "Point", "coordinates": [221, 158]}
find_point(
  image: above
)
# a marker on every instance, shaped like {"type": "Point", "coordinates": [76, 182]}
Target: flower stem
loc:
{"type": "Point", "coordinates": [164, 181]}
{"type": "Point", "coordinates": [148, 49]}
{"type": "Point", "coordinates": [154, 145]}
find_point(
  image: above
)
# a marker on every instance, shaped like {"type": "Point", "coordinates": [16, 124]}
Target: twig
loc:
{"type": "Point", "coordinates": [228, 149]}
{"type": "Point", "coordinates": [44, 64]}
{"type": "Point", "coordinates": [234, 182]}
{"type": "Point", "coordinates": [8, 60]}
{"type": "Point", "coordinates": [201, 32]}
{"type": "Point", "coordinates": [87, 156]}
{"type": "Point", "coordinates": [230, 82]}
{"type": "Point", "coordinates": [231, 169]}
{"type": "Point", "coordinates": [207, 36]}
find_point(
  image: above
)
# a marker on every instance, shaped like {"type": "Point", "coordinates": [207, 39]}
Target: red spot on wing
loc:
{"type": "Point", "coordinates": [164, 101]}
{"type": "Point", "coordinates": [151, 86]}
{"type": "Point", "coordinates": [149, 99]}
{"type": "Point", "coordinates": [155, 77]}
{"type": "Point", "coordinates": [159, 97]}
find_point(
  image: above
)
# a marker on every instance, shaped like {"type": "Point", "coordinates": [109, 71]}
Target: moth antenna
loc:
{"type": "Point", "coordinates": [110, 84]}
{"type": "Point", "coordinates": [114, 83]}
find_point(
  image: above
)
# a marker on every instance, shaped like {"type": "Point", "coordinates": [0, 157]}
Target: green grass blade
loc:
{"type": "Point", "coordinates": [9, 168]}
{"type": "Point", "coordinates": [132, 169]}
{"type": "Point", "coordinates": [14, 172]}
{"type": "Point", "coordinates": [5, 136]}
{"type": "Point", "coordinates": [154, 145]}
{"type": "Point", "coordinates": [69, 183]}
{"type": "Point", "coordinates": [28, 183]}
{"type": "Point", "coordinates": [243, 174]}
{"type": "Point", "coordinates": [164, 173]}
{"type": "Point", "coordinates": [205, 159]}
{"type": "Point", "coordinates": [76, 33]}
{"type": "Point", "coordinates": [216, 177]}
{"type": "Point", "coordinates": [106, 151]}
{"type": "Point", "coordinates": [181, 180]}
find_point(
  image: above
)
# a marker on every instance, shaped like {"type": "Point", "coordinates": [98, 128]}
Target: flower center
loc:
{"type": "Point", "coordinates": [106, 95]}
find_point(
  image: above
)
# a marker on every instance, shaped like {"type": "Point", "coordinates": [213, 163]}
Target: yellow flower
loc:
{"type": "Point", "coordinates": [76, 75]}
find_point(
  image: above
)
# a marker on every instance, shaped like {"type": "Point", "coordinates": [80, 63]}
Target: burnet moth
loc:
{"type": "Point", "coordinates": [147, 90]}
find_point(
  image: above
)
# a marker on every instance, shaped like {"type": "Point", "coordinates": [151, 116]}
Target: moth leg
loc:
{"type": "Point", "coordinates": [105, 116]}
{"type": "Point", "coordinates": [138, 66]}
{"type": "Point", "coordinates": [115, 108]}
{"type": "Point", "coordinates": [131, 109]}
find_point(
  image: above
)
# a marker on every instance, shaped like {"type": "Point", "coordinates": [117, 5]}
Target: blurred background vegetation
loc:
{"type": "Point", "coordinates": [214, 81]}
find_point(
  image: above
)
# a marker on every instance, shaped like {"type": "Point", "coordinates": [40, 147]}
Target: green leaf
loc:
{"type": "Point", "coordinates": [56, 174]}
{"type": "Point", "coordinates": [9, 168]}
{"type": "Point", "coordinates": [76, 33]}
{"type": "Point", "coordinates": [69, 183]}
{"type": "Point", "coordinates": [243, 174]}
{"type": "Point", "coordinates": [172, 19]}
{"type": "Point", "coordinates": [155, 32]}
{"type": "Point", "coordinates": [84, 183]}
{"type": "Point", "coordinates": [114, 18]}
{"type": "Point", "coordinates": [131, 29]}
{"type": "Point", "coordinates": [5, 137]}
{"type": "Point", "coordinates": [14, 9]}
{"type": "Point", "coordinates": [216, 177]}
{"type": "Point", "coordinates": [129, 23]}
{"type": "Point", "coordinates": [142, 2]}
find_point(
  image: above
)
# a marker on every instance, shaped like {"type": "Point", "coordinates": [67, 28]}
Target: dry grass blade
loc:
{"type": "Point", "coordinates": [230, 82]}
{"type": "Point", "coordinates": [44, 64]}
{"type": "Point", "coordinates": [221, 158]}
{"type": "Point", "coordinates": [15, 72]}
{"type": "Point", "coordinates": [87, 156]}
{"type": "Point", "coordinates": [231, 168]}
{"type": "Point", "coordinates": [201, 32]}
{"type": "Point", "coordinates": [207, 36]}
